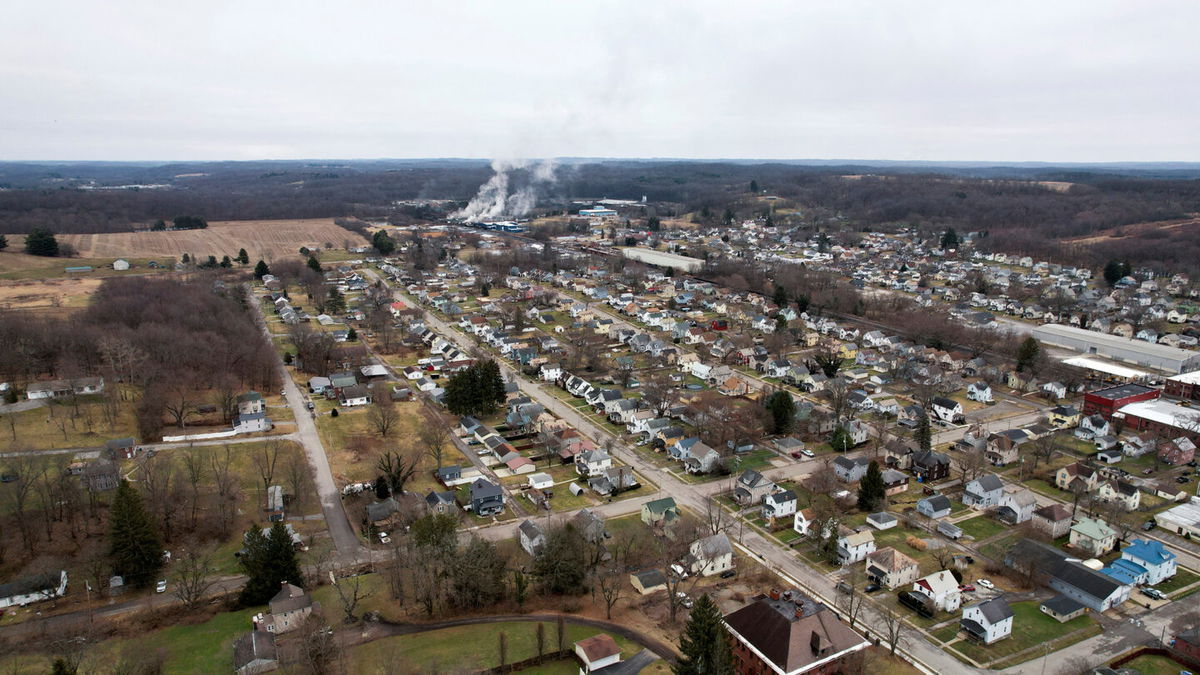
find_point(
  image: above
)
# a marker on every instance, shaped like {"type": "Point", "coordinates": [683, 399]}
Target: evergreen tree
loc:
{"type": "Point", "coordinates": [134, 544]}
{"type": "Point", "coordinates": [754, 186]}
{"type": "Point", "coordinates": [226, 262]}
{"type": "Point", "coordinates": [260, 270]}
{"type": "Point", "coordinates": [782, 407]}
{"type": "Point", "coordinates": [335, 303]}
{"type": "Point", "coordinates": [383, 243]}
{"type": "Point", "coordinates": [186, 259]}
{"type": "Point", "coordinates": [41, 241]}
{"type": "Point", "coordinates": [923, 434]}
{"type": "Point", "coordinates": [269, 560]}
{"type": "Point", "coordinates": [476, 390]}
{"type": "Point", "coordinates": [243, 257]}
{"type": "Point", "coordinates": [840, 440]}
{"type": "Point", "coordinates": [159, 225]}
{"type": "Point", "coordinates": [871, 489]}
{"type": "Point", "coordinates": [3, 242]}
{"type": "Point", "coordinates": [704, 643]}
{"type": "Point", "coordinates": [1113, 271]}
{"type": "Point", "coordinates": [561, 566]}
{"type": "Point", "coordinates": [950, 239]}
{"type": "Point", "coordinates": [781, 296]}
{"type": "Point", "coordinates": [382, 491]}
{"type": "Point", "coordinates": [1028, 353]}
{"type": "Point", "coordinates": [351, 335]}
{"type": "Point", "coordinates": [314, 264]}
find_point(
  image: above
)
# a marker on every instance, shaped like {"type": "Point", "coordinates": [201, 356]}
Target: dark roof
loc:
{"type": "Point", "coordinates": [38, 583]}
{"type": "Point", "coordinates": [938, 502]}
{"type": "Point", "coordinates": [995, 610]}
{"type": "Point", "coordinates": [789, 631]}
{"type": "Point", "coordinates": [1053, 512]}
{"type": "Point", "coordinates": [254, 646]}
{"type": "Point", "coordinates": [378, 511]}
{"type": "Point", "coordinates": [118, 443]}
{"type": "Point", "coordinates": [1062, 605]}
{"type": "Point", "coordinates": [483, 489]}
{"type": "Point", "coordinates": [990, 482]}
{"type": "Point", "coordinates": [651, 578]}
{"type": "Point", "coordinates": [1121, 391]}
{"type": "Point", "coordinates": [289, 598]}
{"type": "Point", "coordinates": [1058, 565]}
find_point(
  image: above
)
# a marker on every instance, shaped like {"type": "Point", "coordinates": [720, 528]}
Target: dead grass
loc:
{"type": "Point", "coordinates": [1133, 230]}
{"type": "Point", "coordinates": [71, 293]}
{"type": "Point", "coordinates": [264, 239]}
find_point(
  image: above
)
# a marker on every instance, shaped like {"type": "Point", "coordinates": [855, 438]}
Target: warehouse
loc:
{"type": "Point", "coordinates": [1105, 402]}
{"type": "Point", "coordinates": [1186, 386]}
{"type": "Point", "coordinates": [1161, 418]}
{"type": "Point", "coordinates": [1138, 352]}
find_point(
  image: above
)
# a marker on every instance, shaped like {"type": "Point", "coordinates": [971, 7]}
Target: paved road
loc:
{"type": "Point", "coordinates": [344, 539]}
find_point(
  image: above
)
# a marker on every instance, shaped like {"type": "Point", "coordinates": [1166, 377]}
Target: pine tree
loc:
{"type": "Point", "coordinates": [260, 270]}
{"type": "Point", "coordinates": [754, 186]}
{"type": "Point", "coordinates": [335, 303]}
{"type": "Point", "coordinates": [243, 257]}
{"type": "Point", "coordinates": [382, 491]}
{"type": "Point", "coordinates": [1028, 353]}
{"type": "Point", "coordinates": [186, 259]}
{"type": "Point", "coordinates": [351, 335]}
{"type": "Point", "coordinates": [923, 434]}
{"type": "Point", "coordinates": [134, 544]}
{"type": "Point", "coordinates": [782, 407]}
{"type": "Point", "coordinates": [781, 296]}
{"type": "Point", "coordinates": [840, 440]}
{"type": "Point", "coordinates": [1113, 271]}
{"type": "Point", "coordinates": [871, 491]}
{"type": "Point", "coordinates": [704, 643]}
{"type": "Point", "coordinates": [41, 241]}
{"type": "Point", "coordinates": [3, 242]}
{"type": "Point", "coordinates": [269, 560]}
{"type": "Point", "coordinates": [950, 239]}
{"type": "Point", "coordinates": [226, 262]}
{"type": "Point", "coordinates": [315, 265]}
{"type": "Point", "coordinates": [383, 243]}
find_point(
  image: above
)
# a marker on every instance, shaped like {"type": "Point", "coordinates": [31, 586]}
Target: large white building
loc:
{"type": "Point", "coordinates": [1137, 352]}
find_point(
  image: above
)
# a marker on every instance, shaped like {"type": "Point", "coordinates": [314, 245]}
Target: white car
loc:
{"type": "Point", "coordinates": [684, 600]}
{"type": "Point", "coordinates": [161, 587]}
{"type": "Point", "coordinates": [679, 571]}
{"type": "Point", "coordinates": [807, 453]}
{"type": "Point", "coordinates": [986, 584]}
{"type": "Point", "coordinates": [384, 538]}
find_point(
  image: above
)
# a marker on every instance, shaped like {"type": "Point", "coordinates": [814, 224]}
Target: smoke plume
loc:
{"type": "Point", "coordinates": [511, 192]}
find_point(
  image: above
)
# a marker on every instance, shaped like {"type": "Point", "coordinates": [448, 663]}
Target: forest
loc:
{"type": "Point", "coordinates": [1041, 210]}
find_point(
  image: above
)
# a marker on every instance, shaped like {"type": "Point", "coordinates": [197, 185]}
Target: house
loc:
{"type": "Point", "coordinates": [1016, 505]}
{"type": "Point", "coordinates": [855, 546]}
{"type": "Point", "coordinates": [1151, 556]}
{"type": "Point", "coordinates": [850, 469]}
{"type": "Point", "coordinates": [1077, 477]}
{"type": "Point", "coordinates": [597, 653]}
{"type": "Point", "coordinates": [987, 621]}
{"type": "Point", "coordinates": [590, 525]}
{"type": "Point", "coordinates": [940, 590]}
{"type": "Point", "coordinates": [803, 521]}
{"type": "Point", "coordinates": [779, 505]}
{"type": "Point", "coordinates": [703, 459]}
{"type": "Point", "coordinates": [36, 588]}
{"type": "Point", "coordinates": [1064, 416]}
{"type": "Point", "coordinates": [983, 492]}
{"type": "Point", "coordinates": [937, 506]}
{"type": "Point", "coordinates": [891, 568]}
{"type": "Point", "coordinates": [646, 582]}
{"type": "Point", "coordinates": [1062, 609]}
{"type": "Point", "coordinates": [947, 410]}
{"type": "Point", "coordinates": [486, 498]}
{"type": "Point", "coordinates": [751, 487]}
{"type": "Point", "coordinates": [894, 482]}
{"type": "Point", "coordinates": [1121, 492]}
{"type": "Point", "coordinates": [979, 391]}
{"type": "Point", "coordinates": [1092, 426]}
{"type": "Point", "coordinates": [248, 423]}
{"type": "Point", "coordinates": [81, 386]}
{"type": "Point", "coordinates": [1093, 536]}
{"type": "Point", "coordinates": [121, 448]}
{"type": "Point", "coordinates": [711, 555]}
{"type": "Point", "coordinates": [592, 462]}
{"type": "Point", "coordinates": [254, 652]}
{"type": "Point", "coordinates": [441, 502]}
{"type": "Point", "coordinates": [1052, 521]}
{"type": "Point", "coordinates": [251, 402]}
{"type": "Point", "coordinates": [532, 537]}
{"type": "Point", "coordinates": [541, 481]}
{"type": "Point", "coordinates": [1054, 390]}
{"type": "Point", "coordinates": [1067, 575]}
{"type": "Point", "coordinates": [1177, 452]}
{"type": "Point", "coordinates": [288, 610]}
{"type": "Point", "coordinates": [660, 512]}
{"type": "Point", "coordinates": [354, 395]}
{"type": "Point", "coordinates": [790, 633]}
{"type": "Point", "coordinates": [929, 466]}
{"type": "Point", "coordinates": [1001, 448]}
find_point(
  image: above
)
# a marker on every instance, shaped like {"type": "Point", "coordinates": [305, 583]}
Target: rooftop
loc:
{"type": "Point", "coordinates": [1162, 412]}
{"type": "Point", "coordinates": [1121, 391]}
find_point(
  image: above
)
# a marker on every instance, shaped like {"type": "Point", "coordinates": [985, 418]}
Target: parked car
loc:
{"type": "Point", "coordinates": [1182, 479]}
{"type": "Point", "coordinates": [679, 571]}
{"type": "Point", "coordinates": [1154, 593]}
{"type": "Point", "coordinates": [843, 587]}
{"type": "Point", "coordinates": [807, 453]}
{"type": "Point", "coordinates": [966, 588]}
{"type": "Point", "coordinates": [871, 588]}
{"type": "Point", "coordinates": [986, 584]}
{"type": "Point", "coordinates": [728, 574]}
{"type": "Point", "coordinates": [796, 454]}
{"type": "Point", "coordinates": [384, 538]}
{"type": "Point", "coordinates": [1149, 525]}
{"type": "Point", "coordinates": [161, 586]}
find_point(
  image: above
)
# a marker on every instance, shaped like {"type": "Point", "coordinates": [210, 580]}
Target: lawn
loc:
{"type": "Point", "coordinates": [1183, 577]}
{"type": "Point", "coordinates": [380, 599]}
{"type": "Point", "coordinates": [62, 424]}
{"type": "Point", "coordinates": [946, 633]}
{"type": "Point", "coordinates": [1031, 628]}
{"type": "Point", "coordinates": [472, 648]}
{"type": "Point", "coordinates": [1151, 664]}
{"type": "Point", "coordinates": [982, 527]}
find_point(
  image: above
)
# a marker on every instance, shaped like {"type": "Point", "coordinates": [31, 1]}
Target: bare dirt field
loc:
{"type": "Point", "coordinates": [1134, 230]}
{"type": "Point", "coordinates": [47, 293]}
{"type": "Point", "coordinates": [265, 239]}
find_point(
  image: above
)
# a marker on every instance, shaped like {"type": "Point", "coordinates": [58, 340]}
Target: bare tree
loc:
{"type": "Point", "coordinates": [837, 391]}
{"type": "Point", "coordinates": [382, 415]}
{"type": "Point", "coordinates": [894, 630]}
{"type": "Point", "coordinates": [851, 602]}
{"type": "Point", "coordinates": [351, 591]}
{"type": "Point", "coordinates": [398, 467]}
{"type": "Point", "coordinates": [433, 434]}
{"type": "Point", "coordinates": [161, 485]}
{"type": "Point", "coordinates": [193, 574]}
{"type": "Point", "coordinates": [227, 488]}
{"type": "Point", "coordinates": [179, 399]}
{"type": "Point", "coordinates": [266, 458]}
{"type": "Point", "coordinates": [195, 469]}
{"type": "Point", "coordinates": [320, 649]}
{"type": "Point", "coordinates": [715, 515]}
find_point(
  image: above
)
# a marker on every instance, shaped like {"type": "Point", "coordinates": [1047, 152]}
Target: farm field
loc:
{"type": "Point", "coordinates": [265, 239]}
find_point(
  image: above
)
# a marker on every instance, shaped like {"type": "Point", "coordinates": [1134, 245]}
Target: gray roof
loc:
{"type": "Point", "coordinates": [716, 545]}
{"type": "Point", "coordinates": [989, 482]}
{"type": "Point", "coordinates": [257, 645]}
{"type": "Point", "coordinates": [937, 502]}
{"type": "Point", "coordinates": [289, 598]}
{"type": "Point", "coordinates": [531, 530]}
{"type": "Point", "coordinates": [1061, 604]}
{"type": "Point", "coordinates": [482, 489]}
{"type": "Point", "coordinates": [38, 583]}
{"type": "Point", "coordinates": [995, 610]}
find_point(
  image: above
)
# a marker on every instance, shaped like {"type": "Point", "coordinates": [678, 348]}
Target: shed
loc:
{"type": "Point", "coordinates": [648, 581]}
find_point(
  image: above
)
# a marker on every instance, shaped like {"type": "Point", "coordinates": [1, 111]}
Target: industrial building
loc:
{"type": "Point", "coordinates": [1138, 352]}
{"type": "Point", "coordinates": [1186, 386]}
{"type": "Point", "coordinates": [1161, 418]}
{"type": "Point", "coordinates": [1105, 402]}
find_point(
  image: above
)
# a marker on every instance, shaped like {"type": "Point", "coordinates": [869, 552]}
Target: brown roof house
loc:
{"type": "Point", "coordinates": [1054, 520]}
{"type": "Point", "coordinates": [597, 653]}
{"type": "Point", "coordinates": [289, 608]}
{"type": "Point", "coordinates": [891, 568]}
{"type": "Point", "coordinates": [790, 633]}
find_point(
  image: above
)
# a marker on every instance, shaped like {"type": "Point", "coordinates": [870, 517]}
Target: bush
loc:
{"type": "Point", "coordinates": [916, 542]}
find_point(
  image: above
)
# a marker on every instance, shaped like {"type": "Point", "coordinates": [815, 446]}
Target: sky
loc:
{"type": "Point", "coordinates": [964, 80]}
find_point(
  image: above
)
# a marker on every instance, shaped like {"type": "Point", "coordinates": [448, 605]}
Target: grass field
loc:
{"type": "Point", "coordinates": [263, 239]}
{"type": "Point", "coordinates": [982, 527]}
{"type": "Point", "coordinates": [1151, 664]}
{"type": "Point", "coordinates": [19, 266]}
{"type": "Point", "coordinates": [1031, 628]}
{"type": "Point", "coordinates": [471, 648]}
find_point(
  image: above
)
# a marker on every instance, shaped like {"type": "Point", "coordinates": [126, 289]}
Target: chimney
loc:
{"type": "Point", "coordinates": [799, 611]}
{"type": "Point", "coordinates": [774, 593]}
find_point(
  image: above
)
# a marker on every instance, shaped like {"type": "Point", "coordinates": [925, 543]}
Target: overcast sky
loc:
{"type": "Point", "coordinates": [954, 80]}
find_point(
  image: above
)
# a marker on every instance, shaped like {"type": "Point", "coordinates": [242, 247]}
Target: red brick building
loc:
{"type": "Point", "coordinates": [790, 633]}
{"type": "Point", "coordinates": [1185, 386]}
{"type": "Point", "coordinates": [1107, 401]}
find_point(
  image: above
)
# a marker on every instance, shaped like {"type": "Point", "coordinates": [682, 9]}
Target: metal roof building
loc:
{"type": "Point", "coordinates": [1138, 352]}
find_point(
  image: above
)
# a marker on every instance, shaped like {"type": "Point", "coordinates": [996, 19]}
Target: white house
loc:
{"type": "Point", "coordinates": [33, 589]}
{"type": "Point", "coordinates": [855, 546]}
{"type": "Point", "coordinates": [541, 481]}
{"type": "Point", "coordinates": [988, 621]}
{"type": "Point", "coordinates": [532, 537]}
{"type": "Point", "coordinates": [711, 555]}
{"type": "Point", "coordinates": [979, 391]}
{"type": "Point", "coordinates": [947, 410]}
{"type": "Point", "coordinates": [942, 590]}
{"type": "Point", "coordinates": [597, 653]}
{"type": "Point", "coordinates": [780, 504]}
{"type": "Point", "coordinates": [803, 522]}
{"type": "Point", "coordinates": [1153, 557]}
{"type": "Point", "coordinates": [251, 422]}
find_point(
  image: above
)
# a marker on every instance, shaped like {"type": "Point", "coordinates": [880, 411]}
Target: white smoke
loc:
{"type": "Point", "coordinates": [497, 199]}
